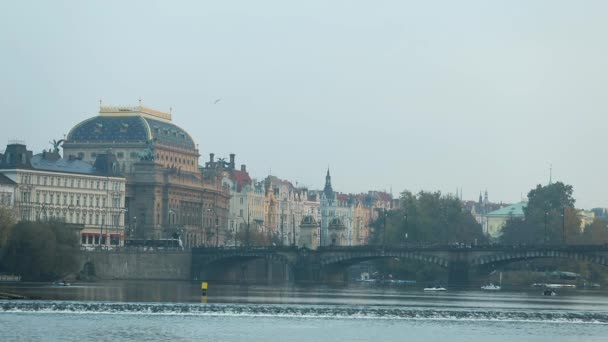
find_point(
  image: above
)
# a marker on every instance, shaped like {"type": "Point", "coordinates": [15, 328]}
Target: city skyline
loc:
{"type": "Point", "coordinates": [469, 96]}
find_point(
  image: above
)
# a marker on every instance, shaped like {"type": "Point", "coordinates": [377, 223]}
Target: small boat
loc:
{"type": "Point", "coordinates": [560, 286]}
{"type": "Point", "coordinates": [435, 288]}
{"type": "Point", "coordinates": [62, 283]}
{"type": "Point", "coordinates": [549, 292]}
{"type": "Point", "coordinates": [490, 287]}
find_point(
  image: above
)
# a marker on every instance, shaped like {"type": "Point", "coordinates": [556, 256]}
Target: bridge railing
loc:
{"type": "Point", "coordinates": [410, 247]}
{"type": "Point", "coordinates": [245, 248]}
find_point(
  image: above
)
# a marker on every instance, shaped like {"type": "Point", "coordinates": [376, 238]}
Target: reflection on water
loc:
{"type": "Point", "coordinates": [188, 292]}
{"type": "Point", "coordinates": [167, 311]}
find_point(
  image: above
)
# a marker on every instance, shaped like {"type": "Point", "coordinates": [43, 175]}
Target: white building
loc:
{"type": "Point", "coordinates": [7, 191]}
{"type": "Point", "coordinates": [88, 197]}
{"type": "Point", "coordinates": [246, 201]}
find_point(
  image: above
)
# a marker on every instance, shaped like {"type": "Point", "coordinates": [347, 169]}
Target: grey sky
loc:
{"type": "Point", "coordinates": [433, 95]}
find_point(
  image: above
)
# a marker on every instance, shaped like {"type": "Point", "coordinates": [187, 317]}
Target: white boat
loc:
{"type": "Point", "coordinates": [435, 288]}
{"type": "Point", "coordinates": [560, 286]}
{"type": "Point", "coordinates": [490, 287]}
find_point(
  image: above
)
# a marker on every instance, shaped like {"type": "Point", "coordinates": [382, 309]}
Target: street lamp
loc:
{"type": "Point", "coordinates": [546, 218]}
{"type": "Point", "coordinates": [406, 227]}
{"type": "Point", "coordinates": [133, 228]}
{"type": "Point", "coordinates": [563, 225]}
{"type": "Point", "coordinates": [246, 232]}
{"type": "Point", "coordinates": [43, 207]}
{"type": "Point", "coordinates": [384, 228]}
{"type": "Point", "coordinates": [217, 227]}
{"type": "Point", "coordinates": [178, 231]}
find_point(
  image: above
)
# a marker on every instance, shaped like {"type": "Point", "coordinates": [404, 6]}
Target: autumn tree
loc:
{"type": "Point", "coordinates": [549, 218]}
{"type": "Point", "coordinates": [596, 233]}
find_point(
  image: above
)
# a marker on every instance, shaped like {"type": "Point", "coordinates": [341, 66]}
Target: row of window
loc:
{"type": "Point", "coordinates": [78, 218]}
{"type": "Point", "coordinates": [70, 182]}
{"type": "Point", "coordinates": [96, 240]}
{"type": "Point", "coordinates": [47, 197]}
{"type": "Point", "coordinates": [162, 157]}
{"type": "Point", "coordinates": [119, 155]}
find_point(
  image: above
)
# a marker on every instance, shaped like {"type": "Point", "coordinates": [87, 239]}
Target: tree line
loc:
{"type": "Point", "coordinates": [38, 251]}
{"type": "Point", "coordinates": [426, 218]}
{"type": "Point", "coordinates": [550, 217]}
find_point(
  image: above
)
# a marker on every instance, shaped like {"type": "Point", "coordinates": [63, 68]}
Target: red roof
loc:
{"type": "Point", "coordinates": [241, 178]}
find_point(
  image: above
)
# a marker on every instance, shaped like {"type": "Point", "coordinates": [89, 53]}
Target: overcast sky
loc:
{"type": "Point", "coordinates": [433, 95]}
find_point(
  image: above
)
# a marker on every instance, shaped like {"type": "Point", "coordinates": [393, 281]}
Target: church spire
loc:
{"type": "Point", "coordinates": [328, 189]}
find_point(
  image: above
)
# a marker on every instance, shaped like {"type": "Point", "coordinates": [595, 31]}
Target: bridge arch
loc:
{"type": "Point", "coordinates": [514, 256]}
{"type": "Point", "coordinates": [234, 265]}
{"type": "Point", "coordinates": [246, 256]}
{"type": "Point", "coordinates": [352, 258]}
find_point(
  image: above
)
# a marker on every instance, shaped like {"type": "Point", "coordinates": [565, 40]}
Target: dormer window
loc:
{"type": "Point", "coordinates": [124, 127]}
{"type": "Point", "coordinates": [98, 127]}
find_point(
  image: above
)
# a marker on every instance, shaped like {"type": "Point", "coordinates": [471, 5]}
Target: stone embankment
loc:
{"type": "Point", "coordinates": [134, 264]}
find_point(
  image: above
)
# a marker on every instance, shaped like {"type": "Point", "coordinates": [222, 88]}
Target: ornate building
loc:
{"type": "Point", "coordinates": [247, 199]}
{"type": "Point", "coordinates": [330, 227]}
{"type": "Point", "coordinates": [88, 196]}
{"type": "Point", "coordinates": [345, 218]}
{"type": "Point", "coordinates": [166, 191]}
{"type": "Point", "coordinates": [285, 206]}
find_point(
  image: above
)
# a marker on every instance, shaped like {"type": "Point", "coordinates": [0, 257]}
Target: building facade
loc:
{"type": "Point", "coordinates": [497, 219]}
{"type": "Point", "coordinates": [7, 191]}
{"type": "Point", "coordinates": [166, 191]}
{"type": "Point", "coordinates": [89, 197]}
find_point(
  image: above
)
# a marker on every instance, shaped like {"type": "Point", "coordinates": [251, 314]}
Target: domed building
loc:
{"type": "Point", "coordinates": [133, 133]}
{"type": "Point", "coordinates": [166, 191]}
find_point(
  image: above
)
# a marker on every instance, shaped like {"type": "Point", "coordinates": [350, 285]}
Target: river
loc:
{"type": "Point", "coordinates": [175, 311]}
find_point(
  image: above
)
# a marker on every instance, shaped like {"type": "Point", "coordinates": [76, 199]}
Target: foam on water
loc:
{"type": "Point", "coordinates": [303, 311]}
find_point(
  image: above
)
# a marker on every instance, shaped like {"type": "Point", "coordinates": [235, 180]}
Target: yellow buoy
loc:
{"type": "Point", "coordinates": [204, 287]}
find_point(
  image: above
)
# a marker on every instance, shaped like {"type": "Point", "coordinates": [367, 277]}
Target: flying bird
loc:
{"type": "Point", "coordinates": [216, 101]}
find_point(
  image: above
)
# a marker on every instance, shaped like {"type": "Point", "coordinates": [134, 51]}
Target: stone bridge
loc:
{"type": "Point", "coordinates": [330, 264]}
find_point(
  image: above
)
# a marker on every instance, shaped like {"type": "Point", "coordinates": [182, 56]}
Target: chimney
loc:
{"type": "Point", "coordinates": [211, 157]}
{"type": "Point", "coordinates": [232, 161]}
{"type": "Point", "coordinates": [243, 167]}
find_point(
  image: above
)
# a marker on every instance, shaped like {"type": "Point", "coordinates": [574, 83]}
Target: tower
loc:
{"type": "Point", "coordinates": [328, 210]}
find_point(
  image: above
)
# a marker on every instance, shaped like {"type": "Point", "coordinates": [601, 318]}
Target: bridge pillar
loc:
{"type": "Point", "coordinates": [458, 269]}
{"type": "Point", "coordinates": [268, 272]}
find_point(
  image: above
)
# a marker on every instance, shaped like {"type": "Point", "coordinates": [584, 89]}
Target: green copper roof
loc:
{"type": "Point", "coordinates": [516, 210]}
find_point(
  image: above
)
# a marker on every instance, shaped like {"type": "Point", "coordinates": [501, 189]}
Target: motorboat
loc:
{"type": "Point", "coordinates": [435, 288]}
{"type": "Point", "coordinates": [560, 286]}
{"type": "Point", "coordinates": [491, 287]}
{"type": "Point", "coordinates": [62, 283]}
{"type": "Point", "coordinates": [549, 292]}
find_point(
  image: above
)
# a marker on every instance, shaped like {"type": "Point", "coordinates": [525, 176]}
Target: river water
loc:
{"type": "Point", "coordinates": [175, 311]}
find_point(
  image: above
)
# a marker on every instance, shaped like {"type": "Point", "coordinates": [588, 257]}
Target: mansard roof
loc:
{"type": "Point", "coordinates": [5, 180]}
{"type": "Point", "coordinates": [17, 156]}
{"type": "Point", "coordinates": [130, 125]}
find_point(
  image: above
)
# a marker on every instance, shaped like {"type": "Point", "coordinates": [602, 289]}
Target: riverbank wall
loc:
{"type": "Point", "coordinates": [135, 265]}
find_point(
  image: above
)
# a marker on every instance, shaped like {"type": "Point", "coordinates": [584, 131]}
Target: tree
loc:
{"type": "Point", "coordinates": [7, 221]}
{"type": "Point", "coordinates": [41, 251]}
{"type": "Point", "coordinates": [596, 233]}
{"type": "Point", "coordinates": [549, 218]}
{"type": "Point", "coordinates": [429, 218]}
{"type": "Point", "coordinates": [517, 231]}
